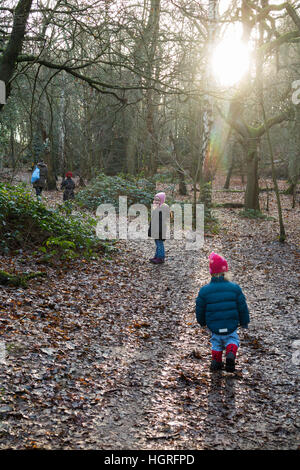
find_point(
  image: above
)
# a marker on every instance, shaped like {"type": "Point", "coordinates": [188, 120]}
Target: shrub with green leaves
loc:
{"type": "Point", "coordinates": [27, 223]}
{"type": "Point", "coordinates": [106, 190]}
{"type": "Point", "coordinates": [167, 176]}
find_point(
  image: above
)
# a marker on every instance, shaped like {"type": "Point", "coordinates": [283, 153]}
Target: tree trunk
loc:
{"type": "Point", "coordinates": [153, 162]}
{"type": "Point", "coordinates": [206, 180]}
{"type": "Point", "coordinates": [131, 143]}
{"type": "Point", "coordinates": [242, 171]}
{"type": "Point", "coordinates": [62, 129]}
{"type": "Point", "coordinates": [152, 31]}
{"type": "Point", "coordinates": [207, 119]}
{"type": "Point", "coordinates": [179, 169]}
{"type": "Point", "coordinates": [252, 186]}
{"type": "Point", "coordinates": [276, 188]}
{"type": "Point", "coordinates": [229, 172]}
{"type": "Point", "coordinates": [14, 47]}
{"type": "Point", "coordinates": [12, 149]}
{"type": "Point", "coordinates": [145, 51]}
{"type": "Point", "coordinates": [51, 178]}
{"type": "Point", "coordinates": [182, 185]}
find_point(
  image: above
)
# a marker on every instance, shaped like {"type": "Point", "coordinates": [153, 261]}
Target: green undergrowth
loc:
{"type": "Point", "coordinates": [254, 214]}
{"type": "Point", "coordinates": [27, 224]}
{"type": "Point", "coordinates": [107, 189]}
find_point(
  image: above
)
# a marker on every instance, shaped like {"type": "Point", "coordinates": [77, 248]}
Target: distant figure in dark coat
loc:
{"type": "Point", "coordinates": [68, 185]}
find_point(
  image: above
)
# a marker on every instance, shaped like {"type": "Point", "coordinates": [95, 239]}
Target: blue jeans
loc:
{"type": "Point", "coordinates": [219, 342]}
{"type": "Point", "coordinates": [160, 249]}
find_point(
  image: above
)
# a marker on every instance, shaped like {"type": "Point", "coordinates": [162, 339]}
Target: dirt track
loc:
{"type": "Point", "coordinates": [110, 356]}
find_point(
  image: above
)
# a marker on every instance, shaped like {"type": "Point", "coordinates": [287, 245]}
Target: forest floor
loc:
{"type": "Point", "coordinates": [108, 354]}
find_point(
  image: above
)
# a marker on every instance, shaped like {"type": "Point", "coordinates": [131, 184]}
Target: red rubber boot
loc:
{"type": "Point", "coordinates": [231, 350]}
{"type": "Point", "coordinates": [216, 363]}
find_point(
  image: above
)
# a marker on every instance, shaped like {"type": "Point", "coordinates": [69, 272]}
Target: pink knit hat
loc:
{"type": "Point", "coordinates": [162, 197]}
{"type": "Point", "coordinates": [217, 264]}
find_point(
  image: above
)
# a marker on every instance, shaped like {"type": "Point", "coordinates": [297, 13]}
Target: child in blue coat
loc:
{"type": "Point", "coordinates": [222, 307]}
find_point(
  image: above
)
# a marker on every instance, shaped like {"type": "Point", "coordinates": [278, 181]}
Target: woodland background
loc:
{"type": "Point", "coordinates": [98, 349]}
{"type": "Point", "coordinates": [123, 86]}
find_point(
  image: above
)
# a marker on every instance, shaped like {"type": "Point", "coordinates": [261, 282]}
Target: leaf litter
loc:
{"type": "Point", "coordinates": [108, 355]}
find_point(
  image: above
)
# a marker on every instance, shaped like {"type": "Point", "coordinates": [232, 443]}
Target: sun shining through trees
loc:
{"type": "Point", "coordinates": [230, 61]}
{"type": "Point", "coordinates": [231, 57]}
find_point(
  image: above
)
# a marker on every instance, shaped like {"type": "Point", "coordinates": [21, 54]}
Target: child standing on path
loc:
{"type": "Point", "coordinates": [158, 226]}
{"type": "Point", "coordinates": [222, 307]}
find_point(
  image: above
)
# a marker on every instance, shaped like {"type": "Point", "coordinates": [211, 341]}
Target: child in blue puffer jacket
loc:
{"type": "Point", "coordinates": [222, 307]}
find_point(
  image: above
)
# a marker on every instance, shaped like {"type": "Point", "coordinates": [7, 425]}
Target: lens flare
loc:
{"type": "Point", "coordinates": [230, 61]}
